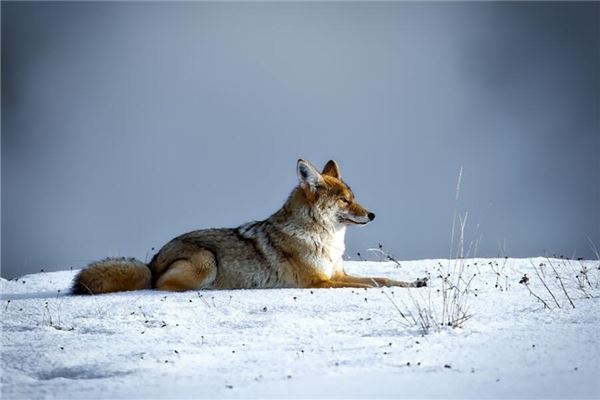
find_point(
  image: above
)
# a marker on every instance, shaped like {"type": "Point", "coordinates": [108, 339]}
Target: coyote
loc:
{"type": "Point", "coordinates": [300, 246]}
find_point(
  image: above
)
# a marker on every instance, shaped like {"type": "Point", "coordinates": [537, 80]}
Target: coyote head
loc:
{"type": "Point", "coordinates": [330, 200]}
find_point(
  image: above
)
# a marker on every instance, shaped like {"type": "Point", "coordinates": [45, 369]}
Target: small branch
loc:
{"type": "Point", "coordinates": [536, 296]}
{"type": "Point", "coordinates": [561, 282]}
{"type": "Point", "coordinates": [544, 283]}
{"type": "Point", "coordinates": [404, 316]}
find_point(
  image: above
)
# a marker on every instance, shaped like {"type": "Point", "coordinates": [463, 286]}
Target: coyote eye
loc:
{"type": "Point", "coordinates": [345, 200]}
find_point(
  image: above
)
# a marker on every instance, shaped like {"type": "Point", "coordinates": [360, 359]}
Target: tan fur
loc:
{"type": "Point", "coordinates": [198, 272]}
{"type": "Point", "coordinates": [301, 246]}
{"type": "Point", "coordinates": [113, 275]}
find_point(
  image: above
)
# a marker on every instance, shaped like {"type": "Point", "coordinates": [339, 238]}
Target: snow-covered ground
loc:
{"type": "Point", "coordinates": [308, 343]}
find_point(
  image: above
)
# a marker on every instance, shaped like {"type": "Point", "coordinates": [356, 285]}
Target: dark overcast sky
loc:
{"type": "Point", "coordinates": [125, 124]}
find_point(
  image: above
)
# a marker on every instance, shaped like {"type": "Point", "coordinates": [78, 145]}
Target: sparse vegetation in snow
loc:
{"type": "Point", "coordinates": [309, 342]}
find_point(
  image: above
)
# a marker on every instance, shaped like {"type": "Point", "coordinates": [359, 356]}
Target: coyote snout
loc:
{"type": "Point", "coordinates": [300, 246]}
{"type": "Point", "coordinates": [357, 219]}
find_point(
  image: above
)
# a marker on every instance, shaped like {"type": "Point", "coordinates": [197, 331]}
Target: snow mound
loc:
{"type": "Point", "coordinates": [309, 343]}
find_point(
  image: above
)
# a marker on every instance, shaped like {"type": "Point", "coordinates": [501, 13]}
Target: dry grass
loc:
{"type": "Point", "coordinates": [447, 305]}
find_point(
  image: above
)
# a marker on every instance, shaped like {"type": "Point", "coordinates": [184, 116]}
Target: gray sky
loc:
{"type": "Point", "coordinates": [125, 124]}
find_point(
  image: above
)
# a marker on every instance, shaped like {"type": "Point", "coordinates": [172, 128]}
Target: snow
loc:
{"type": "Point", "coordinates": [307, 343]}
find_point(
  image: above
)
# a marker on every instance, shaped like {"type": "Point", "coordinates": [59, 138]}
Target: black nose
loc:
{"type": "Point", "coordinates": [371, 216]}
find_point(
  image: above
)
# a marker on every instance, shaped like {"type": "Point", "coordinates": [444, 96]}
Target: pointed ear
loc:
{"type": "Point", "coordinates": [310, 179]}
{"type": "Point", "coordinates": [332, 169]}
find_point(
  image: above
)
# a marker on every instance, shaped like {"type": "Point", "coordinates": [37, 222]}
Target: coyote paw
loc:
{"type": "Point", "coordinates": [421, 282]}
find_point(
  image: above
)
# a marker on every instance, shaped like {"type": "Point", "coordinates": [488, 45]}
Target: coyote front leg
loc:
{"type": "Point", "coordinates": [341, 281]}
{"type": "Point", "coordinates": [332, 283]}
{"type": "Point", "coordinates": [378, 282]}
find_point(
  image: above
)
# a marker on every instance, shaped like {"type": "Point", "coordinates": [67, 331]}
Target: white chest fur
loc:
{"type": "Point", "coordinates": [330, 249]}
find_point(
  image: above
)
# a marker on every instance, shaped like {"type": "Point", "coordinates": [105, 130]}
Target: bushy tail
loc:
{"type": "Point", "coordinates": [113, 275]}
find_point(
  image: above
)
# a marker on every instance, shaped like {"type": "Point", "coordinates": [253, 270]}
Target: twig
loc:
{"type": "Point", "coordinates": [412, 321]}
{"type": "Point", "coordinates": [457, 194]}
{"type": "Point", "coordinates": [384, 255]}
{"type": "Point", "coordinates": [561, 282]}
{"type": "Point", "coordinates": [536, 296]}
{"type": "Point", "coordinates": [544, 283]}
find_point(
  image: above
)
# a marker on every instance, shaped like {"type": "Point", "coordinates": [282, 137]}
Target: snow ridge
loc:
{"type": "Point", "coordinates": [305, 343]}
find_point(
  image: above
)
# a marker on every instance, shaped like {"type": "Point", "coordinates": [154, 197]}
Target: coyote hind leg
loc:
{"type": "Point", "coordinates": [197, 272]}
